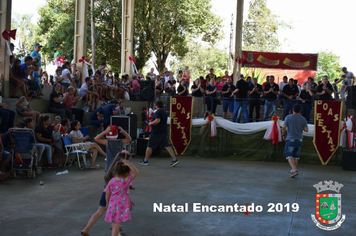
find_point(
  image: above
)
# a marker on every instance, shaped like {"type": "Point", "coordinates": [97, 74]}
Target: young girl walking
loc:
{"type": "Point", "coordinates": [119, 179]}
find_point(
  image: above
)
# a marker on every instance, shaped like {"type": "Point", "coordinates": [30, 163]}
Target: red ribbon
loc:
{"type": "Point", "coordinates": [132, 59]}
{"type": "Point", "coordinates": [9, 34]}
{"type": "Point", "coordinates": [62, 59]}
{"type": "Point", "coordinates": [83, 59]}
{"type": "Point", "coordinates": [238, 60]}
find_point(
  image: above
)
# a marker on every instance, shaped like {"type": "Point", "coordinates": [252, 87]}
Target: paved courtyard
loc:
{"type": "Point", "coordinates": [63, 205]}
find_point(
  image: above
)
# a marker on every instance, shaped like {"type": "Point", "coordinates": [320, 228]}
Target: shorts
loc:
{"type": "Point", "coordinates": [102, 201]}
{"type": "Point", "coordinates": [13, 81]}
{"type": "Point", "coordinates": [20, 111]}
{"type": "Point", "coordinates": [293, 148]}
{"type": "Point", "coordinates": [157, 140]}
{"type": "Point", "coordinates": [64, 85]}
{"type": "Point", "coordinates": [228, 104]}
{"type": "Point", "coordinates": [57, 150]}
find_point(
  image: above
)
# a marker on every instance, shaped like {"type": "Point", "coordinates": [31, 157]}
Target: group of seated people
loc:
{"type": "Point", "coordinates": [49, 140]}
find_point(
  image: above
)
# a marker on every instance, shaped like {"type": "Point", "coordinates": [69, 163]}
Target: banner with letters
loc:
{"type": "Point", "coordinates": [181, 123]}
{"type": "Point", "coordinates": [291, 61]}
{"type": "Point", "coordinates": [327, 121]}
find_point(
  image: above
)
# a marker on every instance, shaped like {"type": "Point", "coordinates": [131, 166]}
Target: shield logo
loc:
{"type": "Point", "coordinates": [250, 57]}
{"type": "Point", "coordinates": [328, 208]}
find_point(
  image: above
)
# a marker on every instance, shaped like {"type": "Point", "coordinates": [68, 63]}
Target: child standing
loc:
{"type": "Point", "coordinates": [113, 146]}
{"type": "Point", "coordinates": [119, 179]}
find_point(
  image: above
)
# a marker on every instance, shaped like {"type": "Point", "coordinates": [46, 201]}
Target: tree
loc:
{"type": "Point", "coordinates": [328, 64]}
{"type": "Point", "coordinates": [56, 28]}
{"type": "Point", "coordinates": [162, 27]}
{"type": "Point", "coordinates": [200, 59]}
{"type": "Point", "coordinates": [260, 28]}
{"type": "Point", "coordinates": [25, 34]}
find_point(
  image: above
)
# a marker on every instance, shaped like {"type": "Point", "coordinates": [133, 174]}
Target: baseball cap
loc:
{"type": "Point", "coordinates": [343, 68]}
{"type": "Point", "coordinates": [38, 45]}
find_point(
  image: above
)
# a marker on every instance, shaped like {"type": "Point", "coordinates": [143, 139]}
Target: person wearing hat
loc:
{"type": "Point", "coordinates": [36, 53]}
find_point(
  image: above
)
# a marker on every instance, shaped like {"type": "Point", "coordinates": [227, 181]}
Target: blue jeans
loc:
{"type": "Point", "coordinates": [41, 147]}
{"type": "Point", "coordinates": [306, 108]}
{"type": "Point", "coordinates": [244, 106]}
{"type": "Point", "coordinates": [288, 106]}
{"type": "Point", "coordinates": [269, 105]}
{"type": "Point", "coordinates": [7, 119]}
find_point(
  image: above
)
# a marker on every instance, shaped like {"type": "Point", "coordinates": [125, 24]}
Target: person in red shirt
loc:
{"type": "Point", "coordinates": [266, 82]}
{"type": "Point", "coordinates": [225, 77]}
{"type": "Point", "coordinates": [70, 101]}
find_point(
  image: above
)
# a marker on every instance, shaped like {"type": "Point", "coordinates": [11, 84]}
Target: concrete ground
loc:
{"type": "Point", "coordinates": [63, 205]}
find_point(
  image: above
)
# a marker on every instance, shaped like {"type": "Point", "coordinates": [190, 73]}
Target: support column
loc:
{"type": "Point", "coordinates": [80, 34]}
{"type": "Point", "coordinates": [5, 23]}
{"type": "Point", "coordinates": [238, 35]}
{"type": "Point", "coordinates": [127, 36]}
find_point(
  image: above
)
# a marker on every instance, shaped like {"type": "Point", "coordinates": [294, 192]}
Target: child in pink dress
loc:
{"type": "Point", "coordinates": [119, 178]}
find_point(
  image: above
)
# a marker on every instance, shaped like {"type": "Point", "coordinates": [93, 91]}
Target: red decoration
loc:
{"type": "Point", "coordinates": [83, 59]}
{"type": "Point", "coordinates": [9, 34]}
{"type": "Point", "coordinates": [132, 59]}
{"type": "Point", "coordinates": [291, 61]}
{"type": "Point", "coordinates": [327, 128]}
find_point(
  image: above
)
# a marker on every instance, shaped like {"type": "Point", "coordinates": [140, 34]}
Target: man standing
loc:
{"type": "Point", "coordinates": [270, 91]}
{"type": "Point", "coordinates": [225, 77]}
{"type": "Point", "coordinates": [159, 135]}
{"type": "Point", "coordinates": [325, 89]}
{"type": "Point", "coordinates": [349, 76]}
{"type": "Point", "coordinates": [36, 53]}
{"type": "Point", "coordinates": [281, 86]}
{"type": "Point", "coordinates": [228, 102]}
{"type": "Point", "coordinates": [211, 75]}
{"type": "Point", "coordinates": [255, 91]}
{"type": "Point", "coordinates": [289, 93]}
{"type": "Point", "coordinates": [240, 99]}
{"type": "Point", "coordinates": [296, 125]}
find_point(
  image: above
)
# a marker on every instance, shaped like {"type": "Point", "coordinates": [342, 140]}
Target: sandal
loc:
{"type": "Point", "coordinates": [94, 167]}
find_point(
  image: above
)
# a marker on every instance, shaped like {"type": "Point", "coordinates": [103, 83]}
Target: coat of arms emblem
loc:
{"type": "Point", "coordinates": [328, 206]}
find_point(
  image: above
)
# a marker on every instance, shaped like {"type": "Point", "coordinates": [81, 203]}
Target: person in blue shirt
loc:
{"type": "Point", "coordinates": [36, 53]}
{"type": "Point", "coordinates": [108, 111]}
{"type": "Point", "coordinates": [26, 70]}
{"type": "Point", "coordinates": [36, 77]}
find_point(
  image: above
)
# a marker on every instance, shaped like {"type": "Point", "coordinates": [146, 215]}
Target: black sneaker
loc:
{"type": "Point", "coordinates": [293, 174]}
{"type": "Point", "coordinates": [174, 163]}
{"type": "Point", "coordinates": [143, 163]}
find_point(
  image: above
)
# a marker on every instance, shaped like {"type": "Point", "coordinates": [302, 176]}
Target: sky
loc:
{"type": "Point", "coordinates": [318, 25]}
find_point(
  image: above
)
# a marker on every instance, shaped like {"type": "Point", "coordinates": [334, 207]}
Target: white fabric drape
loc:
{"type": "Point", "coordinates": [247, 128]}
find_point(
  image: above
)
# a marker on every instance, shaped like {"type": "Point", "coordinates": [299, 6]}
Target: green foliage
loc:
{"type": "Point", "coordinates": [254, 73]}
{"type": "Point", "coordinates": [328, 64]}
{"type": "Point", "coordinates": [56, 28]}
{"type": "Point", "coordinates": [162, 27]}
{"type": "Point", "coordinates": [25, 34]}
{"type": "Point", "coordinates": [201, 59]}
{"type": "Point", "coordinates": [260, 28]}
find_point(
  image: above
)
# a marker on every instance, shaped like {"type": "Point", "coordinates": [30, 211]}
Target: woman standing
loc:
{"type": "Point", "coordinates": [211, 101]}
{"type": "Point", "coordinates": [77, 137]}
{"type": "Point", "coordinates": [182, 90]}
